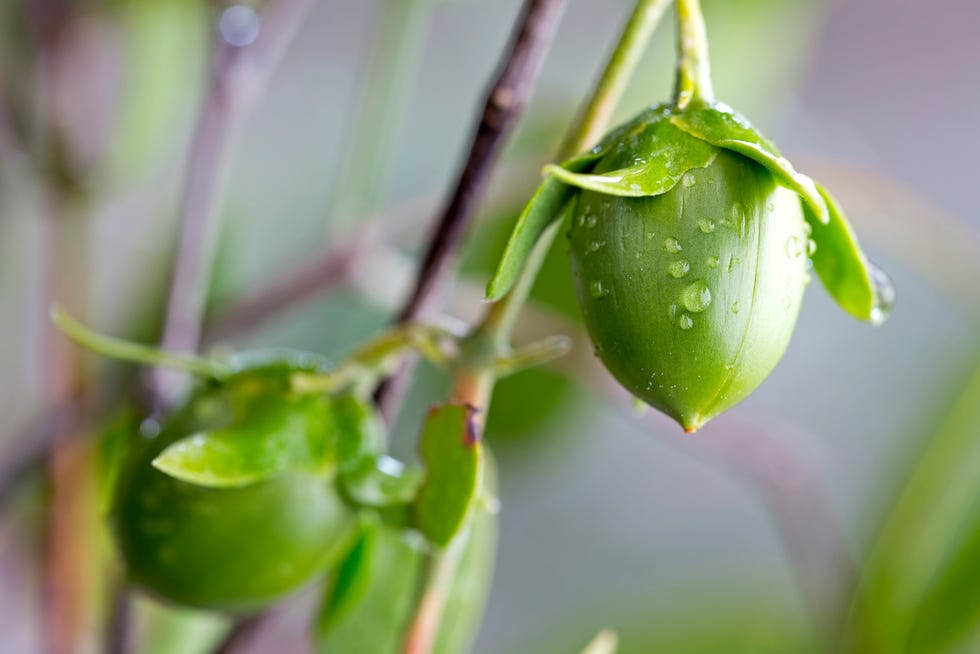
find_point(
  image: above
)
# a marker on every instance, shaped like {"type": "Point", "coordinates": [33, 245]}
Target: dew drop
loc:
{"type": "Point", "coordinates": [597, 289]}
{"type": "Point", "coordinates": [732, 262]}
{"type": "Point", "coordinates": [811, 247]}
{"type": "Point", "coordinates": [239, 26]}
{"type": "Point", "coordinates": [885, 294]}
{"type": "Point", "coordinates": [672, 246]}
{"type": "Point", "coordinates": [712, 262]}
{"type": "Point", "coordinates": [697, 296]}
{"type": "Point", "coordinates": [590, 221]}
{"type": "Point", "coordinates": [689, 180]}
{"type": "Point", "coordinates": [771, 206]}
{"type": "Point", "coordinates": [595, 246]}
{"type": "Point", "coordinates": [794, 247]}
{"type": "Point", "coordinates": [735, 307]}
{"type": "Point", "coordinates": [679, 268]}
{"type": "Point", "coordinates": [685, 322]}
{"type": "Point", "coordinates": [635, 187]}
{"type": "Point", "coordinates": [706, 226]}
{"type": "Point", "coordinates": [149, 428]}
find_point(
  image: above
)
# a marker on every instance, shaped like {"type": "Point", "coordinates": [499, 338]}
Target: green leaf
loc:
{"type": "Point", "coordinates": [271, 437]}
{"type": "Point", "coordinates": [842, 267]}
{"type": "Point", "coordinates": [544, 209]}
{"type": "Point", "coordinates": [666, 152]}
{"type": "Point", "coordinates": [369, 602]}
{"type": "Point", "coordinates": [470, 585]}
{"type": "Point", "coordinates": [721, 126]}
{"type": "Point", "coordinates": [919, 587]}
{"type": "Point", "coordinates": [452, 457]}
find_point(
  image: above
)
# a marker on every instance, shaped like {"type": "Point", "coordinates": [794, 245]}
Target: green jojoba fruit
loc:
{"type": "Point", "coordinates": [236, 502]}
{"type": "Point", "coordinates": [690, 242]}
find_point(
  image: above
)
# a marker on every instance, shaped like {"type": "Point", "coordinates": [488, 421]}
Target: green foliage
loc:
{"type": "Point", "coordinates": [919, 586]}
{"type": "Point", "coordinates": [267, 436]}
{"type": "Point", "coordinates": [539, 214]}
{"type": "Point", "coordinates": [370, 599]}
{"type": "Point", "coordinates": [452, 455]}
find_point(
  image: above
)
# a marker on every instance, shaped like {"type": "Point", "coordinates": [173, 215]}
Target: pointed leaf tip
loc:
{"type": "Point", "coordinates": [860, 287]}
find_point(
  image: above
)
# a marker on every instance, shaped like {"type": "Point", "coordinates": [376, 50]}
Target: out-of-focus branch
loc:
{"type": "Point", "coordinates": [247, 50]}
{"type": "Point", "coordinates": [504, 104]}
{"type": "Point", "coordinates": [240, 69]}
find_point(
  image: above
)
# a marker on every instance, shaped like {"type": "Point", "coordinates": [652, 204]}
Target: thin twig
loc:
{"type": "Point", "coordinates": [238, 74]}
{"type": "Point", "coordinates": [504, 104]}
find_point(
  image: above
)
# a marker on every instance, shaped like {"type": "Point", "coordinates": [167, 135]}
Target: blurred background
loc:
{"type": "Point", "coordinates": [854, 466]}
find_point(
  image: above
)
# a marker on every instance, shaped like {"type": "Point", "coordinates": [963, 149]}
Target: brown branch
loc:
{"type": "Point", "coordinates": [504, 104]}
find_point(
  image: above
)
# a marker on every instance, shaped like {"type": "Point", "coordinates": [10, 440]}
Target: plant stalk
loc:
{"type": "Point", "coordinates": [693, 67]}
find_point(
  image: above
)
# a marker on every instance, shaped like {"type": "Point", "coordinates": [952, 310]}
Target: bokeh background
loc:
{"type": "Point", "coordinates": [747, 537]}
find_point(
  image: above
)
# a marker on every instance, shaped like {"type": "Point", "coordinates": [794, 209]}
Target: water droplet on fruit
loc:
{"type": "Point", "coordinates": [590, 221]}
{"type": "Point", "coordinates": [672, 246]}
{"type": "Point", "coordinates": [735, 307]}
{"type": "Point", "coordinates": [689, 180]}
{"type": "Point", "coordinates": [706, 226]}
{"type": "Point", "coordinates": [597, 290]}
{"type": "Point", "coordinates": [794, 247]}
{"type": "Point", "coordinates": [771, 206]}
{"type": "Point", "coordinates": [697, 296]}
{"type": "Point", "coordinates": [811, 247]}
{"type": "Point", "coordinates": [595, 246]}
{"type": "Point", "coordinates": [685, 322]}
{"type": "Point", "coordinates": [712, 262]}
{"type": "Point", "coordinates": [679, 268]}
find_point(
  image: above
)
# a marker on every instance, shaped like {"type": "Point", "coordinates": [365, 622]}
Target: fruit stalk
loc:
{"type": "Point", "coordinates": [693, 68]}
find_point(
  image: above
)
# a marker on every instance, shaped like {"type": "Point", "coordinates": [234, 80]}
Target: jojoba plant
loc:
{"type": "Point", "coordinates": [690, 239]}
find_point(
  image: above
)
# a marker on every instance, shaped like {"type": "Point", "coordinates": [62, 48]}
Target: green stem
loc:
{"type": "Point", "coordinates": [126, 351]}
{"type": "Point", "coordinates": [388, 83]}
{"type": "Point", "coordinates": [499, 320]}
{"type": "Point", "coordinates": [693, 67]}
